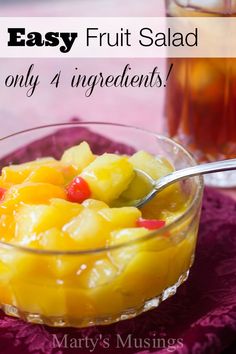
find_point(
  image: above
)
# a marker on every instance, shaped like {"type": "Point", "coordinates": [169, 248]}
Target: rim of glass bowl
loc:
{"type": "Point", "coordinates": [195, 202]}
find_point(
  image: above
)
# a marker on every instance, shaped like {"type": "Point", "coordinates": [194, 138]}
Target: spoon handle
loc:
{"type": "Point", "coordinates": [212, 167]}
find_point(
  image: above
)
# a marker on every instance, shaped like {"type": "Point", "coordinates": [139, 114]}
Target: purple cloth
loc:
{"type": "Point", "coordinates": [199, 319]}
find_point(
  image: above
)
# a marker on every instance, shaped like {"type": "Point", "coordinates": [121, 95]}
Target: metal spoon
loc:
{"type": "Point", "coordinates": [163, 182]}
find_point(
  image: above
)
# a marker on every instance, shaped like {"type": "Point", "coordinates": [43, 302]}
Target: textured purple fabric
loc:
{"type": "Point", "coordinates": [55, 144]}
{"type": "Point", "coordinates": [199, 319]}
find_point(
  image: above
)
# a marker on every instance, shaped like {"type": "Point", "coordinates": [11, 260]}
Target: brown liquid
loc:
{"type": "Point", "coordinates": [201, 102]}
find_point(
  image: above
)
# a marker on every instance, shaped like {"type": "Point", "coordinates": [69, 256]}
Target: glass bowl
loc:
{"type": "Point", "coordinates": [52, 287]}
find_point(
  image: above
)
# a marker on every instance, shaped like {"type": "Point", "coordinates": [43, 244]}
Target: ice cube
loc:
{"type": "Point", "coordinates": [219, 6]}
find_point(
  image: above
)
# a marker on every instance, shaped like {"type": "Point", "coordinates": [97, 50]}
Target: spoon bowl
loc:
{"type": "Point", "coordinates": [176, 176]}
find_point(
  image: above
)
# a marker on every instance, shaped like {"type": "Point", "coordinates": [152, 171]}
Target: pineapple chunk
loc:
{"type": "Point", "coordinates": [127, 234]}
{"type": "Point", "coordinates": [122, 256]}
{"type": "Point", "coordinates": [89, 229]}
{"type": "Point", "coordinates": [5, 266]}
{"type": "Point", "coordinates": [66, 208]}
{"type": "Point", "coordinates": [144, 264]}
{"type": "Point", "coordinates": [54, 239]}
{"type": "Point", "coordinates": [182, 258]}
{"type": "Point", "coordinates": [146, 271]}
{"type": "Point", "coordinates": [154, 166]}
{"type": "Point", "coordinates": [121, 217]}
{"type": "Point", "coordinates": [27, 219]}
{"type": "Point", "coordinates": [7, 225]}
{"type": "Point", "coordinates": [79, 303]}
{"type": "Point", "coordinates": [39, 297]}
{"type": "Point", "coordinates": [108, 176]}
{"type": "Point", "coordinates": [94, 204]}
{"type": "Point", "coordinates": [64, 265]}
{"type": "Point", "coordinates": [32, 219]}
{"type": "Point", "coordinates": [98, 274]}
{"type": "Point", "coordinates": [78, 156]}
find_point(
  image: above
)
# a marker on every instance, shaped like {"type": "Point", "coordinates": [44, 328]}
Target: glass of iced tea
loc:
{"type": "Point", "coordinates": [201, 95]}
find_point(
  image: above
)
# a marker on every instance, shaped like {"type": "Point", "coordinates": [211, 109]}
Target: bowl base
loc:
{"type": "Point", "coordinates": [66, 321]}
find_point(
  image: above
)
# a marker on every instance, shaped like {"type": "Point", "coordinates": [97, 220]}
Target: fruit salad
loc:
{"type": "Point", "coordinates": [71, 254]}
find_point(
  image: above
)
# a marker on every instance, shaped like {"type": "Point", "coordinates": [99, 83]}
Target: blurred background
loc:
{"type": "Point", "coordinates": [138, 106]}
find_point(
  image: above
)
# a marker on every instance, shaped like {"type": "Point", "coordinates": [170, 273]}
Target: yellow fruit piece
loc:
{"type": "Point", "coordinates": [46, 174]}
{"type": "Point", "coordinates": [67, 266]}
{"type": "Point", "coordinates": [138, 188]}
{"type": "Point", "coordinates": [65, 210]}
{"type": "Point", "coordinates": [6, 294]}
{"type": "Point", "coordinates": [168, 202]}
{"type": "Point", "coordinates": [147, 272]}
{"type": "Point", "coordinates": [18, 173]}
{"type": "Point", "coordinates": [5, 268]}
{"type": "Point", "coordinates": [182, 258]}
{"type": "Point", "coordinates": [122, 256]}
{"type": "Point", "coordinates": [94, 204]}
{"type": "Point", "coordinates": [39, 297]}
{"type": "Point", "coordinates": [108, 176]}
{"type": "Point", "coordinates": [47, 268]}
{"type": "Point", "coordinates": [4, 184]}
{"type": "Point", "coordinates": [70, 266]}
{"type": "Point", "coordinates": [64, 206]}
{"type": "Point", "coordinates": [56, 240]}
{"type": "Point", "coordinates": [101, 299]}
{"type": "Point", "coordinates": [32, 193]}
{"type": "Point", "coordinates": [154, 166]}
{"type": "Point", "coordinates": [100, 273]}
{"type": "Point", "coordinates": [79, 304]}
{"type": "Point", "coordinates": [121, 217]}
{"type": "Point", "coordinates": [13, 174]}
{"type": "Point", "coordinates": [89, 229]}
{"type": "Point", "coordinates": [32, 219]}
{"type": "Point", "coordinates": [26, 265]}
{"type": "Point", "coordinates": [78, 156]}
{"type": "Point", "coordinates": [7, 225]}
{"type": "Point", "coordinates": [68, 172]}
{"type": "Point", "coordinates": [126, 235]}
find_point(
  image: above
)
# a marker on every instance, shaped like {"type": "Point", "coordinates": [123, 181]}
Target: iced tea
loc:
{"type": "Point", "coordinates": [201, 96]}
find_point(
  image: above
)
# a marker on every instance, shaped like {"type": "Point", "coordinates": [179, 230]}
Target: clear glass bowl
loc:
{"type": "Point", "coordinates": [51, 287]}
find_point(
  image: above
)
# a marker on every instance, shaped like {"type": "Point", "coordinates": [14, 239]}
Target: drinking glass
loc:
{"type": "Point", "coordinates": [201, 97]}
